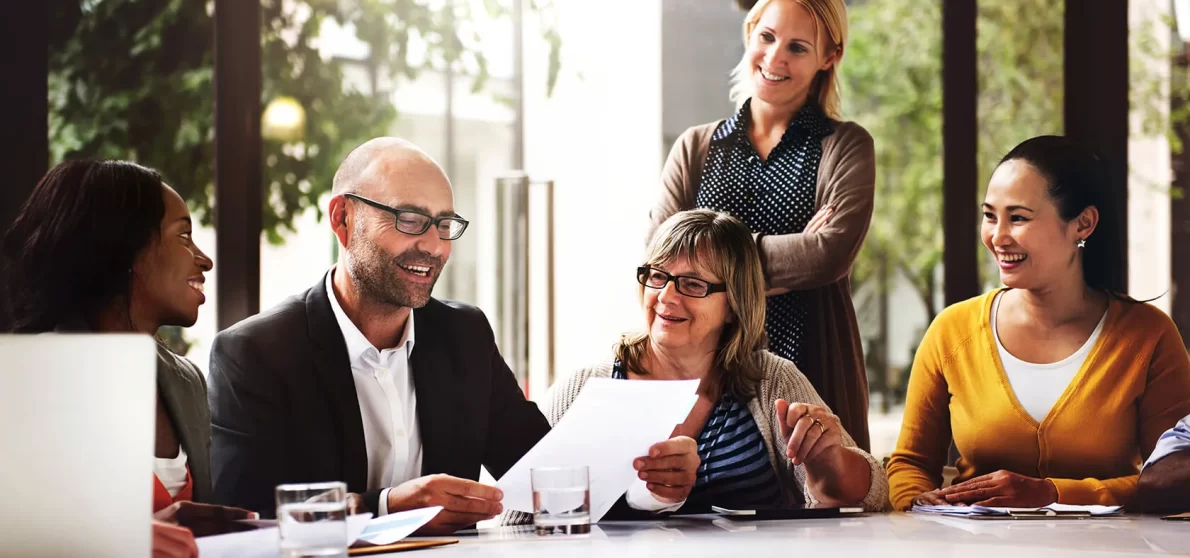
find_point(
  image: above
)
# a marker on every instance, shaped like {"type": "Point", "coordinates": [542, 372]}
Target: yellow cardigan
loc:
{"type": "Point", "coordinates": [1134, 385]}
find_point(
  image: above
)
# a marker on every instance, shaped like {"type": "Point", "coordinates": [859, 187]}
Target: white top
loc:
{"type": "Point", "coordinates": [171, 471]}
{"type": "Point", "coordinates": [387, 403]}
{"type": "Point", "coordinates": [1038, 386]}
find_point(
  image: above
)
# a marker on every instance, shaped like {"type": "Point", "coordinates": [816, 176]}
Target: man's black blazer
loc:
{"type": "Point", "coordinates": [284, 406]}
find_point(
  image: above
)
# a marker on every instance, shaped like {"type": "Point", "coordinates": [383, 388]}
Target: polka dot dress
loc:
{"type": "Point", "coordinates": [774, 196]}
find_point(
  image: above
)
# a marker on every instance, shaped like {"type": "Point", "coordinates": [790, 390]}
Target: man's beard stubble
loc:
{"type": "Point", "coordinates": [377, 278]}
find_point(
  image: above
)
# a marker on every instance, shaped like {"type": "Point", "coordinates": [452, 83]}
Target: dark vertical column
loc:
{"type": "Point", "coordinates": [959, 169]}
{"type": "Point", "coordinates": [24, 151]}
{"type": "Point", "coordinates": [1096, 74]}
{"type": "Point", "coordinates": [238, 168]}
{"type": "Point", "coordinates": [1179, 222]}
{"type": "Point", "coordinates": [1180, 243]}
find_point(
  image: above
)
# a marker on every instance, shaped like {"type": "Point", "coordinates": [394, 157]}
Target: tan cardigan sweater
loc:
{"type": "Point", "coordinates": [782, 380]}
{"type": "Point", "coordinates": [819, 263]}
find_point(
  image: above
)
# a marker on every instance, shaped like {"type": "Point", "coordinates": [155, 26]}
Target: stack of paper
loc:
{"type": "Point", "coordinates": [1052, 510]}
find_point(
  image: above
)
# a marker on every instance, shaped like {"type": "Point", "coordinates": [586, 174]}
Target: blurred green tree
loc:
{"type": "Point", "coordinates": [132, 79]}
{"type": "Point", "coordinates": [892, 86]}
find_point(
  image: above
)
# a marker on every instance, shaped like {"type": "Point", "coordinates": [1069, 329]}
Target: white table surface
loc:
{"type": "Point", "coordinates": [887, 535]}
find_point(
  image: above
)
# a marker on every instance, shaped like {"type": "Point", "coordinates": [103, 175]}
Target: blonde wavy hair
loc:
{"type": "Point", "coordinates": [723, 245]}
{"type": "Point", "coordinates": [830, 19]}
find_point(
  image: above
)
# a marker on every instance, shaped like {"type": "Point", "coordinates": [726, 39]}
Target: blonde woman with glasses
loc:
{"type": "Point", "coordinates": [765, 438]}
{"type": "Point", "coordinates": [802, 180]}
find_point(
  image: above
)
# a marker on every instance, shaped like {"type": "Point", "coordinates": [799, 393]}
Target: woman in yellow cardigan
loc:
{"type": "Point", "coordinates": [1057, 386]}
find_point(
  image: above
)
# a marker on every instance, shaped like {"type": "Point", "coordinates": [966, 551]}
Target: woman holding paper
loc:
{"type": "Point", "coordinates": [106, 246]}
{"type": "Point", "coordinates": [1057, 386]}
{"type": "Point", "coordinates": [765, 438]}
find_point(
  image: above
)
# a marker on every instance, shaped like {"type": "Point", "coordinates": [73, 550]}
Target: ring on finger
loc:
{"type": "Point", "coordinates": [821, 427]}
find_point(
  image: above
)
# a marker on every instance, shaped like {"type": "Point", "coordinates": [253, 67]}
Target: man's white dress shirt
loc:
{"type": "Point", "coordinates": [387, 402]}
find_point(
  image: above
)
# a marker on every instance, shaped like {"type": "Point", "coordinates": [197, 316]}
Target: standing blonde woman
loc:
{"type": "Point", "coordinates": [802, 180]}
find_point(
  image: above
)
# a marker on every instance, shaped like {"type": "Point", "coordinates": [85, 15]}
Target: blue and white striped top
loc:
{"type": "Point", "coordinates": [735, 471]}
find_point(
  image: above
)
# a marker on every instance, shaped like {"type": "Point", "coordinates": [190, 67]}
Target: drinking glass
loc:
{"type": "Point", "coordinates": [561, 500]}
{"type": "Point", "coordinates": [312, 519]}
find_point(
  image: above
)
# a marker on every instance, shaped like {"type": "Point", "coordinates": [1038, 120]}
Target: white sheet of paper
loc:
{"type": "Point", "coordinates": [610, 423]}
{"type": "Point", "coordinates": [264, 543]}
{"type": "Point", "coordinates": [388, 529]}
{"type": "Point", "coordinates": [981, 510]}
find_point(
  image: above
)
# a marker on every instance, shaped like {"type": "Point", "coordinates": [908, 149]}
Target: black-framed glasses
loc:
{"type": "Point", "coordinates": [688, 286]}
{"type": "Point", "coordinates": [414, 222]}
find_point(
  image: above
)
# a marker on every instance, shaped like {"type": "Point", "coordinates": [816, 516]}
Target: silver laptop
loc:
{"type": "Point", "coordinates": [77, 415]}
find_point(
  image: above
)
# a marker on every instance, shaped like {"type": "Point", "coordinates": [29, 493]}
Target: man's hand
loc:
{"type": "Point", "coordinates": [464, 502]}
{"type": "Point", "coordinates": [1002, 489]}
{"type": "Point", "coordinates": [670, 468]}
{"type": "Point", "coordinates": [205, 519]}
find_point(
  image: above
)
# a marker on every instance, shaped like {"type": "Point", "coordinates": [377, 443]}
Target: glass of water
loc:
{"type": "Point", "coordinates": [561, 501]}
{"type": "Point", "coordinates": [312, 519]}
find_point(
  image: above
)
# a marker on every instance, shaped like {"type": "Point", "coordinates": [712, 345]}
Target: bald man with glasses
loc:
{"type": "Point", "coordinates": [365, 378]}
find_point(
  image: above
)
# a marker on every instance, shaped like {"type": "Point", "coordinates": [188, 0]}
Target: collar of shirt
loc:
{"type": "Point", "coordinates": [358, 346]}
{"type": "Point", "coordinates": [808, 123]}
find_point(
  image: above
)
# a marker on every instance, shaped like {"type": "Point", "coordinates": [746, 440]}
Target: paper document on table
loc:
{"type": "Point", "coordinates": [1052, 510]}
{"type": "Point", "coordinates": [388, 529]}
{"type": "Point", "coordinates": [610, 423]}
{"type": "Point", "coordinates": [264, 543]}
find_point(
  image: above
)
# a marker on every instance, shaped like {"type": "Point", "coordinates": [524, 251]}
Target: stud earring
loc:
{"type": "Point", "coordinates": [1082, 243]}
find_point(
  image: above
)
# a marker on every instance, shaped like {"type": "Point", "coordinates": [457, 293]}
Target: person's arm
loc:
{"type": "Point", "coordinates": [916, 465]}
{"type": "Point", "coordinates": [1164, 410]}
{"type": "Point", "coordinates": [1166, 399]}
{"type": "Point", "coordinates": [801, 261]}
{"type": "Point", "coordinates": [1164, 486]}
{"type": "Point", "coordinates": [247, 455]}
{"type": "Point", "coordinates": [837, 472]}
{"type": "Point", "coordinates": [1116, 491]}
{"type": "Point", "coordinates": [514, 424]}
{"type": "Point", "coordinates": [826, 460]}
{"type": "Point", "coordinates": [677, 187]}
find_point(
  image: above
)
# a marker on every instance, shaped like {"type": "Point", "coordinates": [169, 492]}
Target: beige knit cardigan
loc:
{"type": "Point", "coordinates": [782, 380]}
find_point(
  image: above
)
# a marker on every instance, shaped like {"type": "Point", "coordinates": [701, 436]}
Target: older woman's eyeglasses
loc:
{"type": "Point", "coordinates": [689, 286]}
{"type": "Point", "coordinates": [415, 223]}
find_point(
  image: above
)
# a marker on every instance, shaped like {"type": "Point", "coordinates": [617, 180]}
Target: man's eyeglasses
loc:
{"type": "Point", "coordinates": [689, 286]}
{"type": "Point", "coordinates": [414, 223]}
